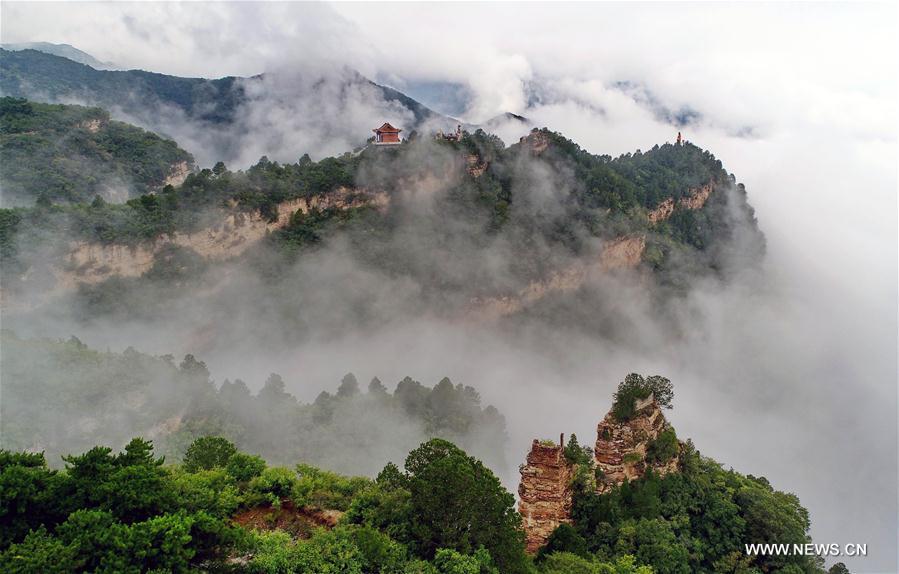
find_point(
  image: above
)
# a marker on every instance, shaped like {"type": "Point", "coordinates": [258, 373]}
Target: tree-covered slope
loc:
{"type": "Point", "coordinates": [534, 208]}
{"type": "Point", "coordinates": [60, 153]}
{"type": "Point", "coordinates": [444, 512]}
{"type": "Point", "coordinates": [61, 397]}
{"type": "Point", "coordinates": [37, 75]}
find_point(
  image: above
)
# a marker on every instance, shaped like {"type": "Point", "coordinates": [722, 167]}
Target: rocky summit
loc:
{"type": "Point", "coordinates": [624, 451]}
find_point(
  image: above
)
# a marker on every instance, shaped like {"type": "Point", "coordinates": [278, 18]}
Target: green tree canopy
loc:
{"type": "Point", "coordinates": [208, 452]}
{"type": "Point", "coordinates": [458, 503]}
{"type": "Point", "coordinates": [635, 387]}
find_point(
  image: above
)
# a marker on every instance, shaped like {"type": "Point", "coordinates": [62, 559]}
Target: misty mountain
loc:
{"type": "Point", "coordinates": [60, 153]}
{"type": "Point", "coordinates": [217, 119]}
{"type": "Point", "coordinates": [462, 229]}
{"type": "Point", "coordinates": [47, 77]}
{"type": "Point", "coordinates": [61, 50]}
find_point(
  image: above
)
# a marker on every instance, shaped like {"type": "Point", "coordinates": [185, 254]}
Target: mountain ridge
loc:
{"type": "Point", "coordinates": [64, 153]}
{"type": "Point", "coordinates": [138, 94]}
{"type": "Point", "coordinates": [557, 217]}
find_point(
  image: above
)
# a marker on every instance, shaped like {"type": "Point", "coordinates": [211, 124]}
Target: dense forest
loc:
{"type": "Point", "coordinates": [224, 510]}
{"type": "Point", "coordinates": [52, 387]}
{"type": "Point", "coordinates": [72, 154]}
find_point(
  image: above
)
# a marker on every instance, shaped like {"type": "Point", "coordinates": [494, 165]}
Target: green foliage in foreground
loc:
{"type": "Point", "coordinates": [444, 513]}
{"type": "Point", "coordinates": [126, 512]}
{"type": "Point", "coordinates": [62, 153]}
{"type": "Point", "coordinates": [695, 520]}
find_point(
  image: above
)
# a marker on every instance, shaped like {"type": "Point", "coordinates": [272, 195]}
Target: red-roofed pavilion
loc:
{"type": "Point", "coordinates": [387, 135]}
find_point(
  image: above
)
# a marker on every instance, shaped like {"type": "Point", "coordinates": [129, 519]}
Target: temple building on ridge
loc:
{"type": "Point", "coordinates": [387, 135]}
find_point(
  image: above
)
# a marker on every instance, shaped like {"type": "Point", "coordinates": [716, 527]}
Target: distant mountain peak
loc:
{"type": "Point", "coordinates": [63, 51]}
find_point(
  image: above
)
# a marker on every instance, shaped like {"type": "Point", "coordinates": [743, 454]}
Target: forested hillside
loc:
{"type": "Point", "coordinates": [534, 208]}
{"type": "Point", "coordinates": [225, 510]}
{"type": "Point", "coordinates": [61, 397]}
{"type": "Point", "coordinates": [72, 154]}
{"type": "Point", "coordinates": [27, 73]}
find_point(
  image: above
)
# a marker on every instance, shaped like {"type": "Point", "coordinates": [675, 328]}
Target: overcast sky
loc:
{"type": "Point", "coordinates": [799, 100]}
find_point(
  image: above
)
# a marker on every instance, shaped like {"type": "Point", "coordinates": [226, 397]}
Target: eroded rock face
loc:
{"type": "Point", "coordinates": [536, 142]}
{"type": "Point", "coordinates": [662, 212]}
{"type": "Point", "coordinates": [695, 199]}
{"type": "Point", "coordinates": [90, 263]}
{"type": "Point", "coordinates": [474, 165]}
{"type": "Point", "coordinates": [93, 262]}
{"type": "Point", "coordinates": [623, 253]}
{"type": "Point", "coordinates": [544, 492]}
{"type": "Point", "coordinates": [177, 174]}
{"type": "Point", "coordinates": [621, 446]}
{"type": "Point", "coordinates": [620, 453]}
{"type": "Point", "coordinates": [93, 126]}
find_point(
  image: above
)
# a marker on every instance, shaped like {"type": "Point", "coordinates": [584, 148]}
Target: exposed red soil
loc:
{"type": "Point", "coordinates": [298, 522]}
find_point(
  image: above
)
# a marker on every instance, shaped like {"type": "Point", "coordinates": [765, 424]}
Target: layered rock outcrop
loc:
{"type": "Point", "coordinates": [94, 262]}
{"type": "Point", "coordinates": [177, 174]}
{"type": "Point", "coordinates": [536, 142]}
{"type": "Point", "coordinates": [545, 492]}
{"type": "Point", "coordinates": [695, 199]}
{"type": "Point", "coordinates": [618, 254]}
{"type": "Point", "coordinates": [91, 262]}
{"type": "Point", "coordinates": [474, 165]}
{"type": "Point", "coordinates": [623, 253]}
{"type": "Point", "coordinates": [621, 447]}
{"type": "Point", "coordinates": [662, 212]}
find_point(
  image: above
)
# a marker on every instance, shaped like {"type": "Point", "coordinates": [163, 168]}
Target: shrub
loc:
{"type": "Point", "coordinates": [634, 387]}
{"type": "Point", "coordinates": [244, 467]}
{"type": "Point", "coordinates": [663, 448]}
{"type": "Point", "coordinates": [325, 489]}
{"type": "Point", "coordinates": [213, 491]}
{"type": "Point", "coordinates": [449, 561]}
{"type": "Point", "coordinates": [564, 538]}
{"type": "Point", "coordinates": [208, 452]}
{"type": "Point", "coordinates": [273, 484]}
{"type": "Point", "coordinates": [577, 454]}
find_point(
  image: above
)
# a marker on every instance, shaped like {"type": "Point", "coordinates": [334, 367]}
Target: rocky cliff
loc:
{"type": "Point", "coordinates": [177, 174]}
{"type": "Point", "coordinates": [621, 447]}
{"type": "Point", "coordinates": [695, 199]}
{"type": "Point", "coordinates": [619, 254]}
{"type": "Point", "coordinates": [91, 263]}
{"type": "Point", "coordinates": [622, 253]}
{"type": "Point", "coordinates": [545, 490]}
{"type": "Point", "coordinates": [94, 262]}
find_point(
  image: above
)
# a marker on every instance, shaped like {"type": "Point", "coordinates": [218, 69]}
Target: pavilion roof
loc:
{"type": "Point", "coordinates": [387, 128]}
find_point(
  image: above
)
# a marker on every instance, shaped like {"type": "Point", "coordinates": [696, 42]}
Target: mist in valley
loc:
{"type": "Point", "coordinates": [784, 368]}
